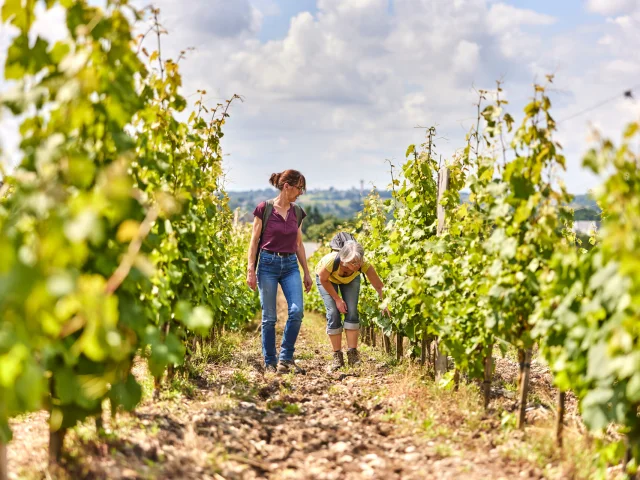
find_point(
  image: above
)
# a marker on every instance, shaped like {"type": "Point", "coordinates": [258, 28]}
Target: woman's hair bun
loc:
{"type": "Point", "coordinates": [275, 179]}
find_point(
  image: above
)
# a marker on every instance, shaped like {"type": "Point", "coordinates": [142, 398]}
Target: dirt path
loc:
{"type": "Point", "coordinates": [238, 423]}
{"type": "Point", "coordinates": [310, 247]}
{"type": "Point", "coordinates": [248, 425]}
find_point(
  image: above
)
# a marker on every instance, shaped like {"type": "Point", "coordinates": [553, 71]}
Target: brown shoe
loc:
{"type": "Point", "coordinates": [338, 361]}
{"type": "Point", "coordinates": [286, 366]}
{"type": "Point", "coordinates": [353, 357]}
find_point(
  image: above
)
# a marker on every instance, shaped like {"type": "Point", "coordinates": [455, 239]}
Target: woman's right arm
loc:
{"type": "Point", "coordinates": [253, 250]}
{"type": "Point", "coordinates": [328, 286]}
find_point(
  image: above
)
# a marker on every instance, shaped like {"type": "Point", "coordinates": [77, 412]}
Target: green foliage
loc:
{"type": "Point", "coordinates": [586, 214]}
{"type": "Point", "coordinates": [312, 300]}
{"type": "Point", "coordinates": [507, 268]}
{"type": "Point", "coordinates": [114, 232]}
{"type": "Point", "coordinates": [479, 280]}
{"type": "Point", "coordinates": [313, 216]}
{"type": "Point", "coordinates": [402, 256]}
{"type": "Point", "coordinates": [588, 318]}
{"type": "Point", "coordinates": [317, 227]}
{"type": "Point", "coordinates": [371, 234]}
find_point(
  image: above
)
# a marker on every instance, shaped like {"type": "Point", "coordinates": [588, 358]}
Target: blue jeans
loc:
{"type": "Point", "coordinates": [349, 293]}
{"type": "Point", "coordinates": [272, 270]}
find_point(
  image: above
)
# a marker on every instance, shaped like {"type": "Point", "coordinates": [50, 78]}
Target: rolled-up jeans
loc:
{"type": "Point", "coordinates": [349, 293]}
{"type": "Point", "coordinates": [274, 269]}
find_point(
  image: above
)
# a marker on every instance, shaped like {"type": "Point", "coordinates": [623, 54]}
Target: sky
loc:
{"type": "Point", "coordinates": [334, 88]}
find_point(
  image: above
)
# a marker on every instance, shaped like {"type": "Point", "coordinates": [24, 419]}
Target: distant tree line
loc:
{"type": "Point", "coordinates": [341, 204]}
{"type": "Point", "coordinates": [317, 227]}
{"type": "Point", "coordinates": [586, 214]}
{"type": "Point", "coordinates": [330, 208]}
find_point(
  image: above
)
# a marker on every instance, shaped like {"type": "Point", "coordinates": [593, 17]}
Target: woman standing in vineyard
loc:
{"type": "Point", "coordinates": [341, 271]}
{"type": "Point", "coordinates": [276, 248]}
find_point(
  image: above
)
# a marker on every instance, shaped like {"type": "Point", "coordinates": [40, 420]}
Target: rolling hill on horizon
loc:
{"type": "Point", "coordinates": [345, 204]}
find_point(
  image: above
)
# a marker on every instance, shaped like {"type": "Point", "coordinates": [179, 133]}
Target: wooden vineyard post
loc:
{"type": "Point", "coordinates": [524, 389]}
{"type": "Point", "coordinates": [170, 367]}
{"type": "Point", "coordinates": [99, 423]}
{"type": "Point", "coordinates": [520, 366]}
{"type": "Point", "coordinates": [628, 456]}
{"type": "Point", "coordinates": [56, 442]}
{"type": "Point", "coordinates": [441, 360]}
{"type": "Point", "coordinates": [4, 474]}
{"type": "Point", "coordinates": [423, 350]}
{"type": "Point", "coordinates": [443, 185]}
{"type": "Point", "coordinates": [364, 335]}
{"type": "Point", "coordinates": [432, 349]}
{"type": "Point", "coordinates": [373, 336]}
{"type": "Point", "coordinates": [211, 340]}
{"type": "Point", "coordinates": [56, 437]}
{"type": "Point", "coordinates": [560, 419]}
{"type": "Point", "coordinates": [488, 373]}
{"type": "Point", "coordinates": [399, 349]}
{"type": "Point", "coordinates": [386, 342]}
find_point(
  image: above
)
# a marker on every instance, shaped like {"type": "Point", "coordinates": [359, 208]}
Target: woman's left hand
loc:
{"type": "Point", "coordinates": [308, 283]}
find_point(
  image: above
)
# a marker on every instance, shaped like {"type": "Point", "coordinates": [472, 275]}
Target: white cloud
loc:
{"type": "Point", "coordinates": [612, 7]}
{"type": "Point", "coordinates": [354, 81]}
{"type": "Point", "coordinates": [344, 88]}
{"type": "Point", "coordinates": [267, 7]}
{"type": "Point", "coordinates": [503, 17]}
{"type": "Point", "coordinates": [506, 22]}
{"type": "Point", "coordinates": [606, 40]}
{"type": "Point", "coordinates": [466, 56]}
{"type": "Point", "coordinates": [620, 66]}
{"type": "Point", "coordinates": [215, 18]}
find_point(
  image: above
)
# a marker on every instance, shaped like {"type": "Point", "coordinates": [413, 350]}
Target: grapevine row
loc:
{"type": "Point", "coordinates": [116, 237]}
{"type": "Point", "coordinates": [505, 270]}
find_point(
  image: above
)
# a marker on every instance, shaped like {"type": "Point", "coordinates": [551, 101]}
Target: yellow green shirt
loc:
{"type": "Point", "coordinates": [326, 262]}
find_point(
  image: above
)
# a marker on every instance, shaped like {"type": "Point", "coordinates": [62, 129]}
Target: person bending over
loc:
{"type": "Point", "coordinates": [340, 272]}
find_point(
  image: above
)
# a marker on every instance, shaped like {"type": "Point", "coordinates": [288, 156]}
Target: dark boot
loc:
{"type": "Point", "coordinates": [353, 357]}
{"type": "Point", "coordinates": [286, 366]}
{"type": "Point", "coordinates": [338, 361]}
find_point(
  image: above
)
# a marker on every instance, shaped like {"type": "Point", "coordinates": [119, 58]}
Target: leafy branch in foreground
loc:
{"type": "Point", "coordinates": [115, 233]}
